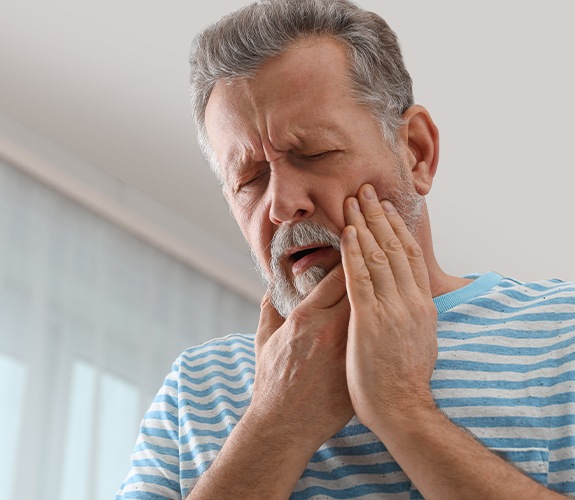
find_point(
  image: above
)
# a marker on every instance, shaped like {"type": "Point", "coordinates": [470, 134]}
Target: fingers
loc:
{"type": "Point", "coordinates": [411, 248]}
{"type": "Point", "coordinates": [360, 288]}
{"type": "Point", "coordinates": [392, 257]}
{"type": "Point", "coordinates": [270, 321]}
{"type": "Point", "coordinates": [329, 292]}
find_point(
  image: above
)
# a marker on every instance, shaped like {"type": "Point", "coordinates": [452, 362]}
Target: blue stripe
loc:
{"type": "Point", "coordinates": [352, 492]}
{"type": "Point", "coordinates": [216, 362]}
{"type": "Point", "coordinates": [156, 462]}
{"type": "Point", "coordinates": [142, 495]}
{"type": "Point", "coordinates": [324, 454]}
{"type": "Point", "coordinates": [535, 401]}
{"type": "Point", "coordinates": [160, 432]}
{"type": "Point", "coordinates": [161, 415]}
{"type": "Point", "coordinates": [153, 479]}
{"type": "Point", "coordinates": [212, 405]}
{"type": "Point", "coordinates": [539, 287]}
{"type": "Point", "coordinates": [528, 442]}
{"type": "Point", "coordinates": [479, 366]}
{"type": "Point", "coordinates": [208, 377]}
{"type": "Point", "coordinates": [503, 384]}
{"type": "Point", "coordinates": [562, 465]}
{"type": "Point", "coordinates": [523, 297]}
{"type": "Point", "coordinates": [517, 420]}
{"type": "Point", "coordinates": [217, 387]}
{"type": "Point", "coordinates": [505, 333]}
{"type": "Point", "coordinates": [213, 434]}
{"type": "Point", "coordinates": [167, 400]}
{"type": "Point", "coordinates": [190, 358]}
{"type": "Point", "coordinates": [190, 456]}
{"type": "Point", "coordinates": [352, 430]}
{"type": "Point", "coordinates": [470, 319]}
{"type": "Point", "coordinates": [563, 486]}
{"type": "Point", "coordinates": [195, 473]}
{"type": "Point", "coordinates": [217, 419]}
{"type": "Point", "coordinates": [502, 350]}
{"type": "Point", "coordinates": [229, 343]}
{"type": "Point", "coordinates": [147, 446]}
{"type": "Point", "coordinates": [351, 470]}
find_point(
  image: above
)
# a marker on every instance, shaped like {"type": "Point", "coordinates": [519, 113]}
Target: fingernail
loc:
{"type": "Point", "coordinates": [355, 204]}
{"type": "Point", "coordinates": [369, 193]}
{"type": "Point", "coordinates": [388, 207]}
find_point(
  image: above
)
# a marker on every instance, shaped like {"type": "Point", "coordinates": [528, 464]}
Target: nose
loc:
{"type": "Point", "coordinates": [290, 194]}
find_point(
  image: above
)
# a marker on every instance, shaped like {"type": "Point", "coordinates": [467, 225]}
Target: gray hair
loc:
{"type": "Point", "coordinates": [240, 43]}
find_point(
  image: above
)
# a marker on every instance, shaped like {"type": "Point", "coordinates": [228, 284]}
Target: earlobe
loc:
{"type": "Point", "coordinates": [421, 136]}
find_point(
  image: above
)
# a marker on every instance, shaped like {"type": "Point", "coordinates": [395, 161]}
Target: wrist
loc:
{"type": "Point", "coordinates": [256, 461]}
{"type": "Point", "coordinates": [402, 417]}
{"type": "Point", "coordinates": [278, 436]}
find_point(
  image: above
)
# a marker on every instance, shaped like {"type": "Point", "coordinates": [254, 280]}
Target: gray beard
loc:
{"type": "Point", "coordinates": [285, 294]}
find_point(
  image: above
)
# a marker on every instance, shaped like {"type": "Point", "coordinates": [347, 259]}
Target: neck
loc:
{"type": "Point", "coordinates": [440, 282]}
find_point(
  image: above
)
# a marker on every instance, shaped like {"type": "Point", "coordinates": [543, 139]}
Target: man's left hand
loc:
{"type": "Point", "coordinates": [392, 337]}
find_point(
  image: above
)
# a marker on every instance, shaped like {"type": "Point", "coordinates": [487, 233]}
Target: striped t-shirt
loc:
{"type": "Point", "coordinates": [505, 371]}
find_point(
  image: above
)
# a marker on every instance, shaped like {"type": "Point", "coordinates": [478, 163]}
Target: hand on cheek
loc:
{"type": "Point", "coordinates": [392, 343]}
{"type": "Point", "coordinates": [300, 389]}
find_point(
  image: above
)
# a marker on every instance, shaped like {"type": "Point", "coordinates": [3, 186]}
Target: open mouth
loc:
{"type": "Point", "coordinates": [302, 253]}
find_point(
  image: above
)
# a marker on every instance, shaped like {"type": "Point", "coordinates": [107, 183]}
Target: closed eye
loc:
{"type": "Point", "coordinates": [316, 156]}
{"type": "Point", "coordinates": [253, 181]}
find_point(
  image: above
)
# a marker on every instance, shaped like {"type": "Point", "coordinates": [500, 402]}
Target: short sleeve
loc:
{"type": "Point", "coordinates": [155, 469]}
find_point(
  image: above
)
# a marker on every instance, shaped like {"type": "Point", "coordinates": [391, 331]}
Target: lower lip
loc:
{"type": "Point", "coordinates": [310, 260]}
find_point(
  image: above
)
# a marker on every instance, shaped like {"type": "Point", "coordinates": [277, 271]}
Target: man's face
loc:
{"type": "Point", "coordinates": [292, 144]}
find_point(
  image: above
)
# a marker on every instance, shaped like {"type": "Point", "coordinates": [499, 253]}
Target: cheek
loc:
{"type": "Point", "coordinates": [257, 231]}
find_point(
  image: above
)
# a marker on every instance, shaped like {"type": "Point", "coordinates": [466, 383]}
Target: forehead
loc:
{"type": "Point", "coordinates": [301, 95]}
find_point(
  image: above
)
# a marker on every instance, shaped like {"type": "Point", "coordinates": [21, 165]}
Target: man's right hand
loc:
{"type": "Point", "coordinates": [300, 384]}
{"type": "Point", "coordinates": [300, 398]}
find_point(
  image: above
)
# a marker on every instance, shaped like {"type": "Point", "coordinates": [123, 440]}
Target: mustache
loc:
{"type": "Point", "coordinates": [300, 234]}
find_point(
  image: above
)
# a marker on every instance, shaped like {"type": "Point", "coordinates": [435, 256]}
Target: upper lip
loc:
{"type": "Point", "coordinates": [291, 253]}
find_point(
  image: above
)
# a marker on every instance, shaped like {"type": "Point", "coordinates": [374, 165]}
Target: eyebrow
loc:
{"type": "Point", "coordinates": [241, 158]}
{"type": "Point", "coordinates": [327, 132]}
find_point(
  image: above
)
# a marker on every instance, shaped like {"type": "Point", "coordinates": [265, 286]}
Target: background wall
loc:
{"type": "Point", "coordinates": [91, 319]}
{"type": "Point", "coordinates": [107, 81]}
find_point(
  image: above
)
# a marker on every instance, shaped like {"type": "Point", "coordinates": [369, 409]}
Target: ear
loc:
{"type": "Point", "coordinates": [421, 138]}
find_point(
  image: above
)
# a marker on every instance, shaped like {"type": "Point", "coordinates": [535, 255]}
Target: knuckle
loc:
{"type": "Point", "coordinates": [374, 215]}
{"type": "Point", "coordinates": [297, 319]}
{"type": "Point", "coordinates": [362, 276]}
{"type": "Point", "coordinates": [377, 257]}
{"type": "Point", "coordinates": [414, 251]}
{"type": "Point", "coordinates": [266, 301]}
{"type": "Point", "coordinates": [392, 245]}
{"type": "Point", "coordinates": [424, 309]}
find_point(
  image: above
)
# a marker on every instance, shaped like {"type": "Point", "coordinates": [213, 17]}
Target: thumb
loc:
{"type": "Point", "coordinates": [329, 290]}
{"type": "Point", "coordinates": [270, 321]}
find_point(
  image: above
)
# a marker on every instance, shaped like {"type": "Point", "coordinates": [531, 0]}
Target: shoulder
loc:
{"type": "Point", "coordinates": [511, 296]}
{"type": "Point", "coordinates": [229, 355]}
{"type": "Point", "coordinates": [235, 348]}
{"type": "Point", "coordinates": [515, 309]}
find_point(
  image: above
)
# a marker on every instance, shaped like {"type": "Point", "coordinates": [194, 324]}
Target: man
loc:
{"type": "Point", "coordinates": [376, 373]}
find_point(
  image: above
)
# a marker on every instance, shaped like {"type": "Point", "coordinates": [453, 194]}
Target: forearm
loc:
{"type": "Point", "coordinates": [445, 461]}
{"type": "Point", "coordinates": [256, 461]}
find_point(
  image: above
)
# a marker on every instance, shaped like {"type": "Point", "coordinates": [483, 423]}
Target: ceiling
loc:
{"type": "Point", "coordinates": [107, 80]}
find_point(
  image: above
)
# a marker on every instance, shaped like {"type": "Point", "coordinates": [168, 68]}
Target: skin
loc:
{"type": "Point", "coordinates": [294, 145]}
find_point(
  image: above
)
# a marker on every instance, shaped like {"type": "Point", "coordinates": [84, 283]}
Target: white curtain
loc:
{"type": "Point", "coordinates": [91, 319]}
